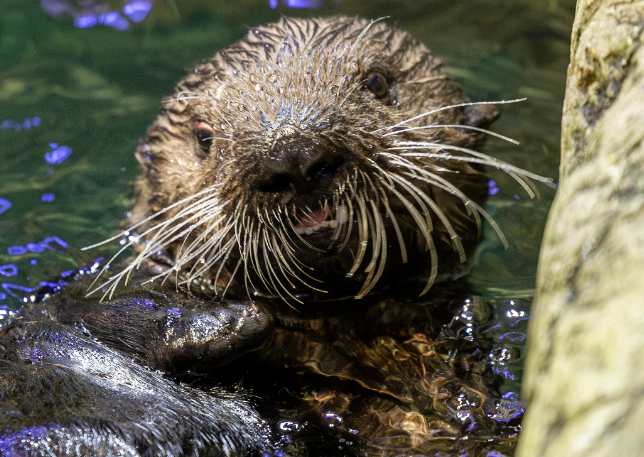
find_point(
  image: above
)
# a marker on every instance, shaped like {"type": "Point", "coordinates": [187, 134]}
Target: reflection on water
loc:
{"type": "Point", "coordinates": [76, 95]}
{"type": "Point", "coordinates": [25, 124]}
{"type": "Point", "coordinates": [88, 14]}
{"type": "Point", "coordinates": [296, 4]}
{"type": "Point", "coordinates": [91, 13]}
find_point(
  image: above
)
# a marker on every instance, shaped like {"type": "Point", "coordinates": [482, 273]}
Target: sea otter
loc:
{"type": "Point", "coordinates": [298, 193]}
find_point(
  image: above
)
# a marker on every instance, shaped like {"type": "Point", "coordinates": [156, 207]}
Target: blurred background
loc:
{"type": "Point", "coordinates": [81, 80]}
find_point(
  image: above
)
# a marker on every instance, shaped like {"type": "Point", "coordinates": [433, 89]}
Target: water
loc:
{"type": "Point", "coordinates": [79, 85]}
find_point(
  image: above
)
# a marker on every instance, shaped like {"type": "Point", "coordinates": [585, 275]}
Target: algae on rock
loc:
{"type": "Point", "coordinates": [584, 380]}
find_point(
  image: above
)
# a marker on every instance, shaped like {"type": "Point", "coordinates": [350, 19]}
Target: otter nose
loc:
{"type": "Point", "coordinates": [298, 164]}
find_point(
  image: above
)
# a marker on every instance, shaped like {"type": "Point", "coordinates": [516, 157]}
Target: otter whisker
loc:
{"type": "Point", "coordinates": [383, 243]}
{"type": "Point", "coordinates": [274, 277]}
{"type": "Point", "coordinates": [208, 262]}
{"type": "Point", "coordinates": [390, 214]}
{"type": "Point", "coordinates": [217, 138]}
{"type": "Point", "coordinates": [145, 254]}
{"type": "Point", "coordinates": [282, 259]}
{"type": "Point", "coordinates": [394, 222]}
{"type": "Point", "coordinates": [363, 230]}
{"type": "Point", "coordinates": [440, 182]}
{"type": "Point", "coordinates": [239, 215]}
{"type": "Point", "coordinates": [380, 253]}
{"type": "Point", "coordinates": [261, 264]}
{"type": "Point", "coordinates": [149, 249]}
{"type": "Point", "coordinates": [125, 273]}
{"type": "Point", "coordinates": [204, 253]}
{"type": "Point", "coordinates": [349, 225]}
{"type": "Point", "coordinates": [350, 198]}
{"type": "Point", "coordinates": [362, 34]}
{"type": "Point", "coordinates": [516, 176]}
{"type": "Point", "coordinates": [379, 234]}
{"type": "Point", "coordinates": [434, 179]}
{"type": "Point", "coordinates": [228, 248]}
{"type": "Point", "coordinates": [383, 173]}
{"type": "Point", "coordinates": [454, 126]}
{"type": "Point", "coordinates": [448, 107]}
{"type": "Point", "coordinates": [286, 237]}
{"type": "Point", "coordinates": [127, 231]}
{"type": "Point", "coordinates": [172, 236]}
{"type": "Point", "coordinates": [336, 211]}
{"type": "Point", "coordinates": [433, 268]}
{"type": "Point", "coordinates": [160, 239]}
{"type": "Point", "coordinates": [423, 215]}
{"type": "Point", "coordinates": [197, 247]}
{"type": "Point", "coordinates": [182, 259]}
{"type": "Point", "coordinates": [251, 254]}
{"type": "Point", "coordinates": [246, 253]}
{"type": "Point", "coordinates": [370, 267]}
{"type": "Point", "coordinates": [492, 161]}
{"type": "Point", "coordinates": [290, 254]}
{"type": "Point", "coordinates": [287, 265]}
{"type": "Point", "coordinates": [180, 250]}
{"type": "Point", "coordinates": [374, 241]}
{"type": "Point", "coordinates": [368, 183]}
{"type": "Point", "coordinates": [245, 245]}
{"type": "Point", "coordinates": [457, 244]}
{"type": "Point", "coordinates": [425, 80]}
{"type": "Point", "coordinates": [416, 194]}
{"type": "Point", "coordinates": [270, 246]}
{"type": "Point", "coordinates": [232, 277]}
{"type": "Point", "coordinates": [421, 223]}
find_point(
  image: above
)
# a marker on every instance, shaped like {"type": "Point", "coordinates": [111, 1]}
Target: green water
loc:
{"type": "Point", "coordinates": [93, 91]}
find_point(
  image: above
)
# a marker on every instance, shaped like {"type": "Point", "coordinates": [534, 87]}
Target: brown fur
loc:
{"type": "Point", "coordinates": [306, 75]}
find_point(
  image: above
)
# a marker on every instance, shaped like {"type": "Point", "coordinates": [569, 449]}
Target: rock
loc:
{"type": "Point", "coordinates": [584, 382]}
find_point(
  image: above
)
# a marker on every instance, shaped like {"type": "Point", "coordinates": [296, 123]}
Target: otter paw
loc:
{"type": "Point", "coordinates": [62, 393]}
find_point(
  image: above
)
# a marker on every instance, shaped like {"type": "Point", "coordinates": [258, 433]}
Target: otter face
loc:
{"type": "Point", "coordinates": [313, 150]}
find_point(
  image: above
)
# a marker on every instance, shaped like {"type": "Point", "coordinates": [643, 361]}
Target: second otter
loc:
{"type": "Point", "coordinates": [291, 186]}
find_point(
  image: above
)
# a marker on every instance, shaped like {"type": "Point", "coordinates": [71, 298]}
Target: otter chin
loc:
{"type": "Point", "coordinates": [312, 150]}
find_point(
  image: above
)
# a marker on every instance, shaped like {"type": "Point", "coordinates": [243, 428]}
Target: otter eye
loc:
{"type": "Point", "coordinates": [204, 134]}
{"type": "Point", "coordinates": [377, 84]}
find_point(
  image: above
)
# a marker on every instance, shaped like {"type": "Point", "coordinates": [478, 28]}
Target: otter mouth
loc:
{"type": "Point", "coordinates": [321, 221]}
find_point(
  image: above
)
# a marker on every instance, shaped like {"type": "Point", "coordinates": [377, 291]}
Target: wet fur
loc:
{"type": "Point", "coordinates": [79, 378]}
{"type": "Point", "coordinates": [306, 77]}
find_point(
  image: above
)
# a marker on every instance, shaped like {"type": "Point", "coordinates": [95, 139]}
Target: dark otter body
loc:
{"type": "Point", "coordinates": [296, 191]}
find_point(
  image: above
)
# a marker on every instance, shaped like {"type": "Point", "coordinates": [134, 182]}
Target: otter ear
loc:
{"type": "Point", "coordinates": [481, 116]}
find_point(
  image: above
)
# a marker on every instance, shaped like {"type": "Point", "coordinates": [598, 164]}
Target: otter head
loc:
{"type": "Point", "coordinates": [311, 153]}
